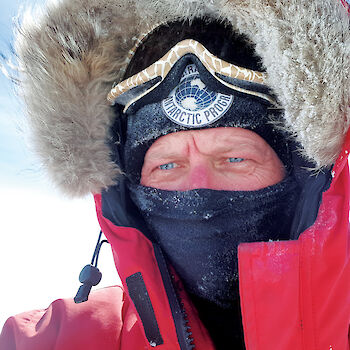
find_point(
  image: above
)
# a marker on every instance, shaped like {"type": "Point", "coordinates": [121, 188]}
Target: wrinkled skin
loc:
{"type": "Point", "coordinates": [231, 159]}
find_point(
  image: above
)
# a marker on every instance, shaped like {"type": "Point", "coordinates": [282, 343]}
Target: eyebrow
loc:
{"type": "Point", "coordinates": [226, 146]}
{"type": "Point", "coordinates": [162, 152]}
{"type": "Point", "coordinates": [231, 148]}
{"type": "Point", "coordinates": [164, 156]}
{"type": "Point", "coordinates": [178, 154]}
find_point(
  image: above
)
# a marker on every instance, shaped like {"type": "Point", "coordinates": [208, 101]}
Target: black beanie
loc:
{"type": "Point", "coordinates": [213, 105]}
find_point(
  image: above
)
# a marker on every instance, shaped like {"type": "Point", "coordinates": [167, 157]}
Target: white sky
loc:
{"type": "Point", "coordinates": [46, 239]}
{"type": "Point", "coordinates": [45, 242]}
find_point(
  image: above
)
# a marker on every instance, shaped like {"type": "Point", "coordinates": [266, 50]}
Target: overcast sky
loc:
{"type": "Point", "coordinates": [45, 238]}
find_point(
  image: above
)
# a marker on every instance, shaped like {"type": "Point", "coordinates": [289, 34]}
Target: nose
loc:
{"type": "Point", "coordinates": [199, 176]}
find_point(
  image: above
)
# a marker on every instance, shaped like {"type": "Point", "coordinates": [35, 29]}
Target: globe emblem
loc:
{"type": "Point", "coordinates": [193, 95]}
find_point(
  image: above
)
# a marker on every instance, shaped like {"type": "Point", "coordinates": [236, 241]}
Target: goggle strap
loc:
{"type": "Point", "coordinates": [139, 41]}
{"type": "Point", "coordinates": [233, 87]}
{"type": "Point", "coordinates": [213, 64]}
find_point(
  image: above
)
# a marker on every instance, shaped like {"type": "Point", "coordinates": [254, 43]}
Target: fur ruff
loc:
{"type": "Point", "coordinates": [71, 54]}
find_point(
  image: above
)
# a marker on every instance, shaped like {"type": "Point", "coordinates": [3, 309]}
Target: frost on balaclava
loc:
{"type": "Point", "coordinates": [199, 230]}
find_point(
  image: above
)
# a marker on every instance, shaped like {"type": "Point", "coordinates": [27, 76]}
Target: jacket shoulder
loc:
{"type": "Point", "coordinates": [64, 325]}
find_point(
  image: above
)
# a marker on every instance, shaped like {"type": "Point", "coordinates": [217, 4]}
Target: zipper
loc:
{"type": "Point", "coordinates": [183, 330]}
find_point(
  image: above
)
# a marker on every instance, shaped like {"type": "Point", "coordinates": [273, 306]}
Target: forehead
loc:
{"type": "Point", "coordinates": [207, 140]}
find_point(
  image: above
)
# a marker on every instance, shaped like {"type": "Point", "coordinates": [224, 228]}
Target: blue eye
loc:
{"type": "Point", "coordinates": [167, 166]}
{"type": "Point", "coordinates": [235, 160]}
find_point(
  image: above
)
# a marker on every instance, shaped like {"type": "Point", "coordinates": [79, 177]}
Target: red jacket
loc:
{"type": "Point", "coordinates": [294, 294]}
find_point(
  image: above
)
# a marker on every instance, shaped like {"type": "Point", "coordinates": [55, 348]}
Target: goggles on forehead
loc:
{"type": "Point", "coordinates": [137, 86]}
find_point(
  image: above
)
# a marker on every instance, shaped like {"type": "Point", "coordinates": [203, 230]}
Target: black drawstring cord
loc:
{"type": "Point", "coordinates": [90, 275]}
{"type": "Point", "coordinates": [94, 259]}
{"type": "Point", "coordinates": [97, 248]}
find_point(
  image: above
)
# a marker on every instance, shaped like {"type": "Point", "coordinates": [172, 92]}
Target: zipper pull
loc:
{"type": "Point", "coordinates": [90, 275]}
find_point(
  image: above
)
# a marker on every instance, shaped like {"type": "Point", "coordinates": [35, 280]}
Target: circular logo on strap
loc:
{"type": "Point", "coordinates": [192, 104]}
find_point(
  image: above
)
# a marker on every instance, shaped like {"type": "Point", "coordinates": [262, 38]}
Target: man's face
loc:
{"type": "Point", "coordinates": [231, 159]}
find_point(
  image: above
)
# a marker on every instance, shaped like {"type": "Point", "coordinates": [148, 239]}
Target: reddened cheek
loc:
{"type": "Point", "coordinates": [269, 176]}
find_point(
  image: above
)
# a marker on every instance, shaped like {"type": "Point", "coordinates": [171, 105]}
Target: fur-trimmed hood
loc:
{"type": "Point", "coordinates": [72, 53]}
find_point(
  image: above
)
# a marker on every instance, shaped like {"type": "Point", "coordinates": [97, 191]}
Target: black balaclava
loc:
{"type": "Point", "coordinates": [199, 230]}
